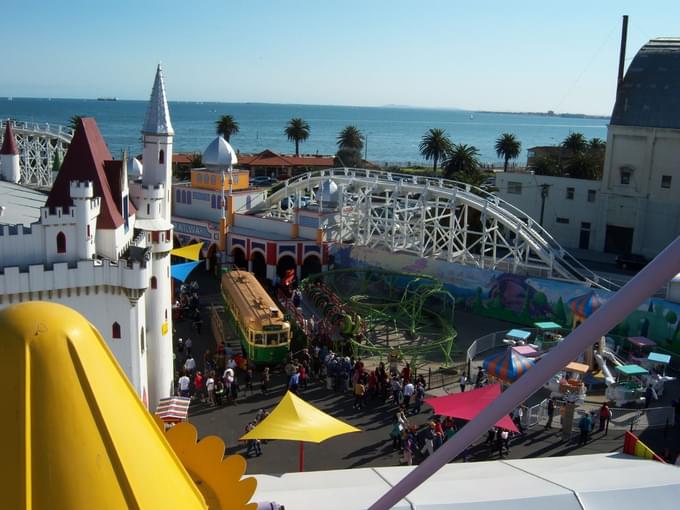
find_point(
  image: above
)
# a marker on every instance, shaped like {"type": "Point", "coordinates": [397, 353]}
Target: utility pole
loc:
{"type": "Point", "coordinates": [544, 195]}
{"type": "Point", "coordinates": [622, 51]}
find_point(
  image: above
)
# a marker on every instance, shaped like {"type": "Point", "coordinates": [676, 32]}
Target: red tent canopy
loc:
{"type": "Point", "coordinates": [468, 404]}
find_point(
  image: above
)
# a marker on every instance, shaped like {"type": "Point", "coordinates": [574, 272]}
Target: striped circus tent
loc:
{"type": "Point", "coordinates": [173, 409]}
{"type": "Point", "coordinates": [584, 306]}
{"type": "Point", "coordinates": [507, 365]}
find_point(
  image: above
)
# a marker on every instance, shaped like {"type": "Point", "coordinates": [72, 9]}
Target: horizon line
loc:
{"type": "Point", "coordinates": [387, 106]}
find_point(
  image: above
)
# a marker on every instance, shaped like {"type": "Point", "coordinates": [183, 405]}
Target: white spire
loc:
{"type": "Point", "coordinates": [157, 121]}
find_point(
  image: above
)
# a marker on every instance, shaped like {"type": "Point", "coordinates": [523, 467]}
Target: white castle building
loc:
{"type": "Point", "coordinates": [101, 244]}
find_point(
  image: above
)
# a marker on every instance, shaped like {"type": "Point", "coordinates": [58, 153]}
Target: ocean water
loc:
{"type": "Point", "coordinates": [393, 134]}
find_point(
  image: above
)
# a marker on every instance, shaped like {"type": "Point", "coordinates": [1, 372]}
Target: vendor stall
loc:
{"type": "Point", "coordinates": [508, 366]}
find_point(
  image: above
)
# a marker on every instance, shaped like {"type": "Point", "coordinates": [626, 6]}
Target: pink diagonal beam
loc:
{"type": "Point", "coordinates": [664, 267]}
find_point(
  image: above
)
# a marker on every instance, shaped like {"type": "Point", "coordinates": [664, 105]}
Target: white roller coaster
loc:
{"type": "Point", "coordinates": [38, 144]}
{"type": "Point", "coordinates": [428, 217]}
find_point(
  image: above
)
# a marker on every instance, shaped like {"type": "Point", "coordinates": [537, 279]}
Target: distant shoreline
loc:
{"type": "Point", "coordinates": [387, 106]}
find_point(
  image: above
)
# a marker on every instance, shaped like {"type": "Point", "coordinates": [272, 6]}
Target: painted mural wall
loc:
{"type": "Point", "coordinates": [520, 299]}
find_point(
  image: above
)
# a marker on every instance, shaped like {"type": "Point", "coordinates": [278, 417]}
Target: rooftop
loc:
{"type": "Point", "coordinates": [157, 120]}
{"type": "Point", "coordinates": [9, 143]}
{"type": "Point", "coordinates": [649, 95]}
{"type": "Point", "coordinates": [21, 204]}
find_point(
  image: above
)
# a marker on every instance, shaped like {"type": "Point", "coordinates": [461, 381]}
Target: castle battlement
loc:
{"type": "Point", "coordinates": [81, 189]}
{"type": "Point", "coordinates": [15, 230]}
{"type": "Point", "coordinates": [85, 273]}
{"type": "Point", "coordinates": [147, 191]}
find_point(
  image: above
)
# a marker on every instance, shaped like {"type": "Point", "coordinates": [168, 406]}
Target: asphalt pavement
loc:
{"type": "Point", "coordinates": [372, 447]}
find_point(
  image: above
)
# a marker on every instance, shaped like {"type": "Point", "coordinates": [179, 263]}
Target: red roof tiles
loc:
{"type": "Point", "coordinates": [270, 158]}
{"type": "Point", "coordinates": [9, 143]}
{"type": "Point", "coordinates": [85, 161]}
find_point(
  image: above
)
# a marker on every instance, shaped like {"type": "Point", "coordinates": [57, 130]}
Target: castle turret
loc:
{"type": "Point", "coordinates": [152, 200]}
{"type": "Point", "coordinates": [86, 212]}
{"type": "Point", "coordinates": [9, 156]}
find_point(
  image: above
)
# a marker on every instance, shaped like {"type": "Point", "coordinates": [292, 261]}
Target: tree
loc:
{"type": "Point", "coordinates": [435, 145]}
{"type": "Point", "coordinates": [546, 165]}
{"type": "Point", "coordinates": [462, 159]}
{"type": "Point", "coordinates": [597, 144]}
{"type": "Point", "coordinates": [575, 143]}
{"type": "Point", "coordinates": [226, 126]}
{"type": "Point", "coordinates": [348, 157]}
{"type": "Point", "coordinates": [56, 163]}
{"type": "Point", "coordinates": [196, 160]}
{"type": "Point", "coordinates": [351, 138]}
{"type": "Point", "coordinates": [297, 131]}
{"type": "Point", "coordinates": [74, 121]}
{"type": "Point", "coordinates": [508, 147]}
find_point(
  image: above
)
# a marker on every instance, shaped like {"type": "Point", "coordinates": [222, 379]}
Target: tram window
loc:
{"type": "Point", "coordinates": [272, 339]}
{"type": "Point", "coordinates": [258, 339]}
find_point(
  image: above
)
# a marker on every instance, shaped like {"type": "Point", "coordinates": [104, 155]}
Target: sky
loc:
{"type": "Point", "coordinates": [475, 55]}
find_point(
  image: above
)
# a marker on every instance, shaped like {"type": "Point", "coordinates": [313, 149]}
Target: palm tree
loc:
{"type": "Point", "coordinates": [597, 144]}
{"type": "Point", "coordinates": [508, 147]}
{"type": "Point", "coordinates": [435, 145]}
{"type": "Point", "coordinates": [297, 131]}
{"type": "Point", "coordinates": [462, 160]}
{"type": "Point", "coordinates": [575, 142]}
{"type": "Point", "coordinates": [74, 121]}
{"type": "Point", "coordinates": [226, 126]}
{"type": "Point", "coordinates": [351, 138]}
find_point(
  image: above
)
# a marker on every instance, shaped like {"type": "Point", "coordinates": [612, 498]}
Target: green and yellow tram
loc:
{"type": "Point", "coordinates": [265, 335]}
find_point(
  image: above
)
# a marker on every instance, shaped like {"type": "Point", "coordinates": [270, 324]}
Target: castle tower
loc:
{"type": "Point", "coordinates": [153, 216]}
{"type": "Point", "coordinates": [9, 156]}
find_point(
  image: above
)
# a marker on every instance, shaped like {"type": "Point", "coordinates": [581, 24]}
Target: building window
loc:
{"type": "Point", "coordinates": [155, 237]}
{"type": "Point", "coordinates": [592, 194]}
{"type": "Point", "coordinates": [161, 156]}
{"type": "Point", "coordinates": [115, 330]}
{"type": "Point", "coordinates": [178, 195]}
{"type": "Point", "coordinates": [666, 181]}
{"type": "Point", "coordinates": [142, 343]}
{"type": "Point", "coordinates": [166, 314]}
{"type": "Point", "coordinates": [148, 209]}
{"type": "Point", "coordinates": [515, 188]}
{"type": "Point", "coordinates": [61, 242]}
{"type": "Point", "coordinates": [212, 180]}
{"type": "Point", "coordinates": [213, 202]}
{"type": "Point", "coordinates": [154, 282]}
{"type": "Point", "coordinates": [562, 220]}
{"type": "Point", "coordinates": [585, 225]}
{"type": "Point", "coordinates": [570, 193]}
{"type": "Point", "coordinates": [626, 173]}
{"type": "Point", "coordinates": [88, 231]}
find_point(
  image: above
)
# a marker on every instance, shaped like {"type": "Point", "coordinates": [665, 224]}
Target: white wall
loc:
{"type": "Point", "coordinates": [557, 206]}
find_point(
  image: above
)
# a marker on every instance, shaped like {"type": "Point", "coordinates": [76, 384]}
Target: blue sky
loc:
{"type": "Point", "coordinates": [483, 55]}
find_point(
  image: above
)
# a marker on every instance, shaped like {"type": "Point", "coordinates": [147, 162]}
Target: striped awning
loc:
{"type": "Point", "coordinates": [507, 365]}
{"type": "Point", "coordinates": [173, 409]}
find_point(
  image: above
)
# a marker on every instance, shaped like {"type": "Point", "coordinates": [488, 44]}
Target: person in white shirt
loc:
{"type": "Point", "coordinates": [190, 364]}
{"type": "Point", "coordinates": [187, 345]}
{"type": "Point", "coordinates": [184, 385]}
{"type": "Point", "coordinates": [210, 388]}
{"type": "Point", "coordinates": [409, 390]}
{"type": "Point", "coordinates": [463, 382]}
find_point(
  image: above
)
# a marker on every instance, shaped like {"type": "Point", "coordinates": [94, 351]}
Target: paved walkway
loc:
{"type": "Point", "coordinates": [372, 447]}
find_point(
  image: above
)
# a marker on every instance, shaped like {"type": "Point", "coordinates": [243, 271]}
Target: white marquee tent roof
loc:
{"type": "Point", "coordinates": [581, 482]}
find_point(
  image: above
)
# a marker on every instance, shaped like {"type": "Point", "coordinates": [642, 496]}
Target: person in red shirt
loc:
{"type": "Point", "coordinates": [199, 387]}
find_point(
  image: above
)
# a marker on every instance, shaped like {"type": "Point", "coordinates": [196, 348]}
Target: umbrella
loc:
{"type": "Point", "coordinates": [468, 404]}
{"type": "Point", "coordinates": [507, 365]}
{"type": "Point", "coordinates": [293, 419]}
{"type": "Point", "coordinates": [585, 305]}
{"type": "Point", "coordinates": [190, 252]}
{"type": "Point", "coordinates": [181, 271]}
{"type": "Point", "coordinates": [75, 432]}
{"type": "Point", "coordinates": [173, 409]}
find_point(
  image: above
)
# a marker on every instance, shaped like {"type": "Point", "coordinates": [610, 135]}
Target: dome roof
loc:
{"type": "Point", "coordinates": [219, 153]}
{"type": "Point", "coordinates": [134, 168]}
{"type": "Point", "coordinates": [329, 191]}
{"type": "Point", "coordinates": [649, 94]}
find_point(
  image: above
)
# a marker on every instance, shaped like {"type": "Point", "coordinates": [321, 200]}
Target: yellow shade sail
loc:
{"type": "Point", "coordinates": [191, 252]}
{"type": "Point", "coordinates": [294, 419]}
{"type": "Point", "coordinates": [74, 433]}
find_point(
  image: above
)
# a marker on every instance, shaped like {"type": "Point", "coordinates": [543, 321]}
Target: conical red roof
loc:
{"type": "Point", "coordinates": [9, 143]}
{"type": "Point", "coordinates": [84, 161]}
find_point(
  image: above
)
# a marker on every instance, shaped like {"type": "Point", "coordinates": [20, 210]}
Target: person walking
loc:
{"type": "Point", "coordinates": [463, 382]}
{"type": "Point", "coordinates": [429, 440]}
{"type": "Point", "coordinates": [188, 344]}
{"type": "Point", "coordinates": [605, 416]}
{"type": "Point", "coordinates": [409, 390]}
{"type": "Point", "coordinates": [294, 381]}
{"type": "Point", "coordinates": [420, 396]}
{"type": "Point", "coordinates": [184, 382]}
{"type": "Point", "coordinates": [650, 395]}
{"type": "Point", "coordinates": [584, 425]}
{"type": "Point", "coordinates": [190, 365]}
{"type": "Point", "coordinates": [551, 413]}
{"type": "Point", "coordinates": [253, 445]}
{"type": "Point", "coordinates": [359, 391]}
{"type": "Point", "coordinates": [199, 386]}
{"type": "Point", "coordinates": [210, 387]}
{"type": "Point", "coordinates": [264, 381]}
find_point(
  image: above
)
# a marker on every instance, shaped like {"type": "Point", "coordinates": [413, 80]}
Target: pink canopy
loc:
{"type": "Point", "coordinates": [468, 404]}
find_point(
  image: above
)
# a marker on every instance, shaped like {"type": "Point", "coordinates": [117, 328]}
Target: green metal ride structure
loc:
{"type": "Point", "coordinates": [386, 314]}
